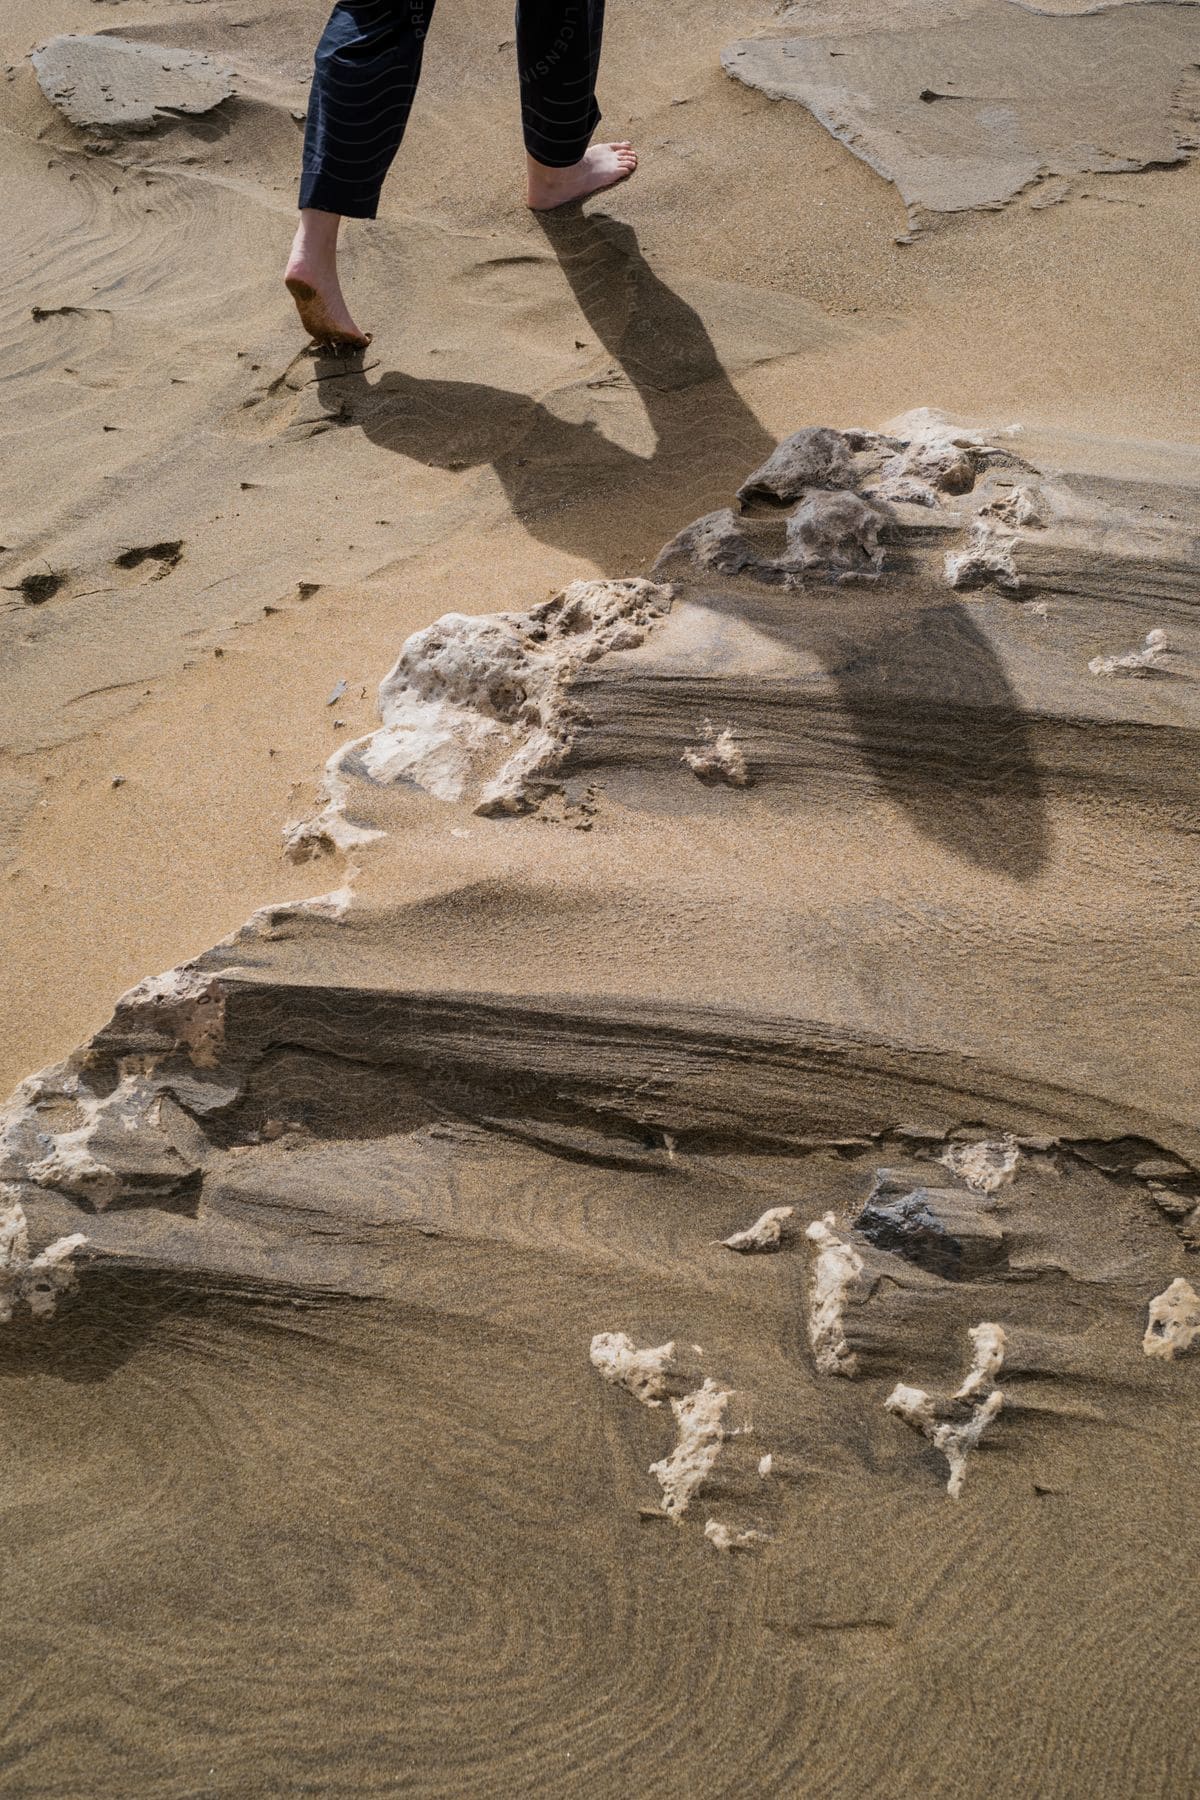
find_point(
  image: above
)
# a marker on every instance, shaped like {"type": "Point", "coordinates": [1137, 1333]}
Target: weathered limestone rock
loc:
{"type": "Point", "coordinates": [37, 1280]}
{"type": "Point", "coordinates": [957, 1434]}
{"type": "Point", "coordinates": [1173, 1322]}
{"type": "Point", "coordinates": [970, 113]}
{"type": "Point", "coordinates": [719, 758]}
{"type": "Point", "coordinates": [728, 1537]}
{"type": "Point", "coordinates": [816, 457]}
{"type": "Point", "coordinates": [700, 1418]}
{"type": "Point", "coordinates": [113, 84]}
{"type": "Point", "coordinates": [838, 533]}
{"type": "Point", "coordinates": [766, 1233]}
{"type": "Point", "coordinates": [650, 1375]}
{"type": "Point", "coordinates": [985, 1167]}
{"type": "Point", "coordinates": [1134, 662]}
{"type": "Point", "coordinates": [476, 705]}
{"type": "Point", "coordinates": [837, 1271]}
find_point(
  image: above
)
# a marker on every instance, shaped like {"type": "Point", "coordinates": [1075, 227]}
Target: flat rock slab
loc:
{"type": "Point", "coordinates": [109, 82]}
{"type": "Point", "coordinates": [967, 115]}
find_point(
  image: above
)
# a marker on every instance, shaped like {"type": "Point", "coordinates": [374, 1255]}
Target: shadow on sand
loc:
{"type": "Point", "coordinates": [972, 783]}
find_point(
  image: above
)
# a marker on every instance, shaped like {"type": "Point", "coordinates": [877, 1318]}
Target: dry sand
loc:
{"type": "Point", "coordinates": [309, 1483]}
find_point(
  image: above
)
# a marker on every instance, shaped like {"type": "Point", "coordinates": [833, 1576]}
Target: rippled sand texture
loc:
{"type": "Point", "coordinates": [319, 1450]}
{"type": "Point", "coordinates": [656, 1254]}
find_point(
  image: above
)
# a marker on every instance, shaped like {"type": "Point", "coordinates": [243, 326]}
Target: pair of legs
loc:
{"type": "Point", "coordinates": [367, 67]}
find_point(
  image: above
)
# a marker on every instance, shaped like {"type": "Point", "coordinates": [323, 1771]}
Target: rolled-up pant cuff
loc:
{"type": "Point", "coordinates": [552, 153]}
{"type": "Point", "coordinates": [324, 194]}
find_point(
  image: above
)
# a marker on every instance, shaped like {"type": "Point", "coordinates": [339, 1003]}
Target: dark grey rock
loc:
{"type": "Point", "coordinates": [817, 457]}
{"type": "Point", "coordinates": [944, 1230]}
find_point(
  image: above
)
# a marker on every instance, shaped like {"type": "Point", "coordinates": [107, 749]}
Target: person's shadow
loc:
{"type": "Point", "coordinates": [933, 717]}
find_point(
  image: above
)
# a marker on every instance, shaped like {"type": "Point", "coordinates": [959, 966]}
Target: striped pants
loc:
{"type": "Point", "coordinates": [368, 64]}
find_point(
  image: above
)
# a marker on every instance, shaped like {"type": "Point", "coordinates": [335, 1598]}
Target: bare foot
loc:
{"type": "Point", "coordinates": [311, 279]}
{"type": "Point", "coordinates": [600, 167]}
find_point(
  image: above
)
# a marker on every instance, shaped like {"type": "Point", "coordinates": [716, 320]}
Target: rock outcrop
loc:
{"type": "Point", "coordinates": [116, 84]}
{"type": "Point", "coordinates": [971, 113]}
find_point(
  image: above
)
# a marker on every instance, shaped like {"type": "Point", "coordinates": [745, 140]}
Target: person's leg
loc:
{"type": "Point", "coordinates": [558, 56]}
{"type": "Point", "coordinates": [366, 70]}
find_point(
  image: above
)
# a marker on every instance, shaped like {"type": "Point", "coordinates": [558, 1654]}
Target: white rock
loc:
{"type": "Point", "coordinates": [956, 1438]}
{"type": "Point", "coordinates": [836, 1270]}
{"type": "Point", "coordinates": [700, 1418]}
{"type": "Point", "coordinates": [719, 758]}
{"type": "Point", "coordinates": [1134, 662]}
{"type": "Point", "coordinates": [766, 1233]}
{"type": "Point", "coordinates": [727, 1537]}
{"type": "Point", "coordinates": [38, 1280]}
{"type": "Point", "coordinates": [989, 1343]}
{"type": "Point", "coordinates": [766, 1464]}
{"type": "Point", "coordinates": [985, 1167]}
{"type": "Point", "coordinates": [475, 707]}
{"type": "Point", "coordinates": [986, 555]}
{"type": "Point", "coordinates": [648, 1375]}
{"type": "Point", "coordinates": [1173, 1322]}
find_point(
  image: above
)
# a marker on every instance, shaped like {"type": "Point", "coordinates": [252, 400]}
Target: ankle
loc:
{"type": "Point", "coordinates": [317, 234]}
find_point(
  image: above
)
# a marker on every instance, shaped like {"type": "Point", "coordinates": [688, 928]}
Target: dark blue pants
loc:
{"type": "Point", "coordinates": [368, 64]}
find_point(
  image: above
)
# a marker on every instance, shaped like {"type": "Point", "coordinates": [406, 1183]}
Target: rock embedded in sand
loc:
{"type": "Point", "coordinates": [719, 758]}
{"type": "Point", "coordinates": [122, 1149]}
{"type": "Point", "coordinates": [111, 82]}
{"type": "Point", "coordinates": [985, 1167]}
{"type": "Point", "coordinates": [650, 1375]}
{"type": "Point", "coordinates": [815, 457]}
{"type": "Point", "coordinates": [1173, 1322]}
{"type": "Point", "coordinates": [475, 707]}
{"type": "Point", "coordinates": [988, 1346]}
{"type": "Point", "coordinates": [955, 1436]}
{"type": "Point", "coordinates": [837, 1270]}
{"type": "Point", "coordinates": [838, 533]}
{"type": "Point", "coordinates": [766, 1233]}
{"type": "Point", "coordinates": [986, 556]}
{"type": "Point", "coordinates": [1134, 662]}
{"type": "Point", "coordinates": [940, 1229]}
{"type": "Point", "coordinates": [970, 113]}
{"type": "Point", "coordinates": [38, 1280]}
{"type": "Point", "coordinates": [700, 1419]}
{"type": "Point", "coordinates": [729, 1537]}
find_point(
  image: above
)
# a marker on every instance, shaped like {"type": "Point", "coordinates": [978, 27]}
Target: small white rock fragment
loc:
{"type": "Point", "coordinates": [984, 1167]}
{"type": "Point", "coordinates": [1134, 662]}
{"type": "Point", "coordinates": [38, 1280]}
{"type": "Point", "coordinates": [836, 1270]}
{"type": "Point", "coordinates": [989, 1344]}
{"type": "Point", "coordinates": [987, 555]}
{"type": "Point", "coordinates": [1019, 507]}
{"type": "Point", "coordinates": [700, 1418]}
{"type": "Point", "coordinates": [766, 1464]}
{"type": "Point", "coordinates": [1174, 1320]}
{"type": "Point", "coordinates": [956, 1438]}
{"type": "Point", "coordinates": [646, 1374]}
{"type": "Point", "coordinates": [766, 1233]}
{"type": "Point", "coordinates": [725, 1537]}
{"type": "Point", "coordinates": [719, 758]}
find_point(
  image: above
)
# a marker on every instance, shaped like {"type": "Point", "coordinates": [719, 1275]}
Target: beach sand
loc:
{"type": "Point", "coordinates": [310, 1483]}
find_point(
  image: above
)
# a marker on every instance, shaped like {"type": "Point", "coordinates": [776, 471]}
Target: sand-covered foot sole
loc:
{"type": "Point", "coordinates": [316, 321]}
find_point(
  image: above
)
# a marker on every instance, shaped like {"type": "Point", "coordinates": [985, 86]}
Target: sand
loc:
{"type": "Point", "coordinates": [309, 1480]}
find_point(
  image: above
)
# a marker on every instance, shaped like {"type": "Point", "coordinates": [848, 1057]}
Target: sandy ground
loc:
{"type": "Point", "coordinates": [315, 1489]}
{"type": "Point", "coordinates": [1082, 315]}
